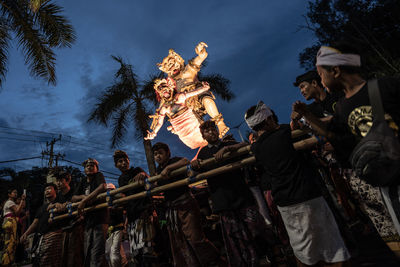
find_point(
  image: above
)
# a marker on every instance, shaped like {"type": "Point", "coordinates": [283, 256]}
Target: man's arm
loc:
{"type": "Point", "coordinates": [17, 209]}
{"type": "Point", "coordinates": [231, 148]}
{"type": "Point", "coordinates": [30, 230]}
{"type": "Point", "coordinates": [317, 125]}
{"type": "Point", "coordinates": [100, 189]}
{"type": "Point", "coordinates": [180, 163]}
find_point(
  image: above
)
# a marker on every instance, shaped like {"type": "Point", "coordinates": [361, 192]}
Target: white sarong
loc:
{"type": "Point", "coordinates": [313, 232]}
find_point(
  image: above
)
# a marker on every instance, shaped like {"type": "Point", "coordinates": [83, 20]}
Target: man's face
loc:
{"type": "Point", "coordinates": [61, 184]}
{"type": "Point", "coordinates": [50, 192]}
{"type": "Point", "coordinates": [13, 195]}
{"type": "Point", "coordinates": [307, 89]}
{"type": "Point", "coordinates": [91, 168]}
{"type": "Point", "coordinates": [328, 79]}
{"type": "Point", "coordinates": [210, 134]}
{"type": "Point", "coordinates": [161, 156]}
{"type": "Point", "coordinates": [122, 164]}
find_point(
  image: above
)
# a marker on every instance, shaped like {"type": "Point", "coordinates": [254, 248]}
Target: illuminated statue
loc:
{"type": "Point", "coordinates": [184, 122]}
{"type": "Point", "coordinates": [186, 80]}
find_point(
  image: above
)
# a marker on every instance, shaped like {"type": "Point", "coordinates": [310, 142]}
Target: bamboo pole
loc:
{"type": "Point", "coordinates": [226, 168]}
{"type": "Point", "coordinates": [206, 163]}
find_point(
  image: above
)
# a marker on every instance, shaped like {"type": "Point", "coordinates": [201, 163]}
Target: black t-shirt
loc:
{"type": "Point", "coordinates": [135, 207]}
{"type": "Point", "coordinates": [116, 216]}
{"type": "Point", "coordinates": [353, 117]}
{"type": "Point", "coordinates": [64, 198]}
{"type": "Point", "coordinates": [292, 180]}
{"type": "Point", "coordinates": [325, 107]}
{"type": "Point", "coordinates": [228, 191]}
{"type": "Point", "coordinates": [172, 194]}
{"type": "Point", "coordinates": [43, 216]}
{"type": "Point", "coordinates": [85, 188]}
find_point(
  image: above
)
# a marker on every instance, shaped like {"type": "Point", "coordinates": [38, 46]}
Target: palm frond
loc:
{"type": "Point", "coordinates": [56, 28]}
{"type": "Point", "coordinates": [4, 39]}
{"type": "Point", "coordinates": [38, 55]}
{"type": "Point", "coordinates": [120, 122]}
{"type": "Point", "coordinates": [218, 85]}
{"type": "Point", "coordinates": [126, 75]}
{"type": "Point", "coordinates": [113, 99]}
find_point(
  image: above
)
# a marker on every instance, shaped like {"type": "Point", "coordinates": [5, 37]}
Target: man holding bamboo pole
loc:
{"type": "Point", "coordinates": [141, 222]}
{"type": "Point", "coordinates": [313, 232]}
{"type": "Point", "coordinates": [231, 198]}
{"type": "Point", "coordinates": [97, 223]}
{"type": "Point", "coordinates": [189, 246]}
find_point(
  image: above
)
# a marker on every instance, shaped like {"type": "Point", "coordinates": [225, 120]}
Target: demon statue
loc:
{"type": "Point", "coordinates": [182, 83]}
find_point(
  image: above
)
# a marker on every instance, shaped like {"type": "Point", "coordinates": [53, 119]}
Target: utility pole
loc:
{"type": "Point", "coordinates": [50, 152]}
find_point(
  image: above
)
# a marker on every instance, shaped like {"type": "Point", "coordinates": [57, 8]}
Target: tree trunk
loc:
{"type": "Point", "coordinates": [149, 157]}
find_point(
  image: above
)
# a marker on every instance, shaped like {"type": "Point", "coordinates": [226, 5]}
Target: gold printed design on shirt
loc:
{"type": "Point", "coordinates": [360, 121]}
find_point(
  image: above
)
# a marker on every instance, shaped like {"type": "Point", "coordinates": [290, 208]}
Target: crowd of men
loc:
{"type": "Point", "coordinates": [300, 203]}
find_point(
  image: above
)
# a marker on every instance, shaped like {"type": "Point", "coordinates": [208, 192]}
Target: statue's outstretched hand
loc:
{"type": "Point", "coordinates": [201, 48]}
{"type": "Point", "coordinates": [150, 135]}
{"type": "Point", "coordinates": [206, 85]}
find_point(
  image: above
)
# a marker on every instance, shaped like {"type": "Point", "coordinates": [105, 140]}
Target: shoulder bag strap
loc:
{"type": "Point", "coordinates": [375, 100]}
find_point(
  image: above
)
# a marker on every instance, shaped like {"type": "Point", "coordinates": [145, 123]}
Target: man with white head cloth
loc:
{"type": "Point", "coordinates": [312, 230]}
{"type": "Point", "coordinates": [340, 70]}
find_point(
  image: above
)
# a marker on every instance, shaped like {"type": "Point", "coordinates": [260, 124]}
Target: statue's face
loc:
{"type": "Point", "coordinates": [165, 89]}
{"type": "Point", "coordinates": [172, 64]}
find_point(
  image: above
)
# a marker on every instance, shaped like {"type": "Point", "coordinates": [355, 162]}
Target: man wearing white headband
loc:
{"type": "Point", "coordinates": [310, 224]}
{"type": "Point", "coordinates": [339, 69]}
{"type": "Point", "coordinates": [261, 113]}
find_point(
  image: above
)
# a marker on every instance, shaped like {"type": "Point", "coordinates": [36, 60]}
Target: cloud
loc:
{"type": "Point", "coordinates": [41, 93]}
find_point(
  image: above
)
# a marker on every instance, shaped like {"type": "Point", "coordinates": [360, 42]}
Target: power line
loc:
{"type": "Point", "coordinates": [17, 139]}
{"type": "Point", "coordinates": [24, 134]}
{"type": "Point", "coordinates": [20, 129]}
{"type": "Point", "coordinates": [13, 160]}
{"type": "Point", "coordinates": [72, 137]}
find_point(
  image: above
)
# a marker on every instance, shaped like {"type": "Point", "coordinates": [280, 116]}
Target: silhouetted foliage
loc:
{"type": "Point", "coordinates": [371, 26]}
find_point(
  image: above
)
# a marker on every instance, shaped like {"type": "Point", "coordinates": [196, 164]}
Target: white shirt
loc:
{"type": "Point", "coordinates": [7, 207]}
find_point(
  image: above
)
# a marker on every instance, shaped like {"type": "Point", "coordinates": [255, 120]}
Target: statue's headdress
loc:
{"type": "Point", "coordinates": [171, 54]}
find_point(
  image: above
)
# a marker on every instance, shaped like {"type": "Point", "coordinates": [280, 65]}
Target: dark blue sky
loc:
{"type": "Point", "coordinates": [255, 44]}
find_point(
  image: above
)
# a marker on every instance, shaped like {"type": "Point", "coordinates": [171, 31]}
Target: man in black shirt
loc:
{"type": "Point", "coordinates": [73, 231]}
{"type": "Point", "coordinates": [323, 107]}
{"type": "Point", "coordinates": [312, 230]}
{"type": "Point", "coordinates": [310, 87]}
{"type": "Point", "coordinates": [96, 222]}
{"type": "Point", "coordinates": [340, 68]}
{"type": "Point", "coordinates": [189, 245]}
{"type": "Point", "coordinates": [231, 198]}
{"type": "Point", "coordinates": [50, 244]}
{"type": "Point", "coordinates": [141, 223]}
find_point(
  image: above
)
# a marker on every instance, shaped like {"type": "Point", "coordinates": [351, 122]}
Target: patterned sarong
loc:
{"type": "Point", "coordinates": [239, 228]}
{"type": "Point", "coordinates": [50, 249]}
{"type": "Point", "coordinates": [141, 234]}
{"type": "Point", "coordinates": [189, 246]}
{"type": "Point", "coordinates": [10, 240]}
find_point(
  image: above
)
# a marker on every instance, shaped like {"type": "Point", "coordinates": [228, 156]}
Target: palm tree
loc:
{"type": "Point", "coordinates": [38, 28]}
{"type": "Point", "coordinates": [124, 102]}
{"type": "Point", "coordinates": [127, 101]}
